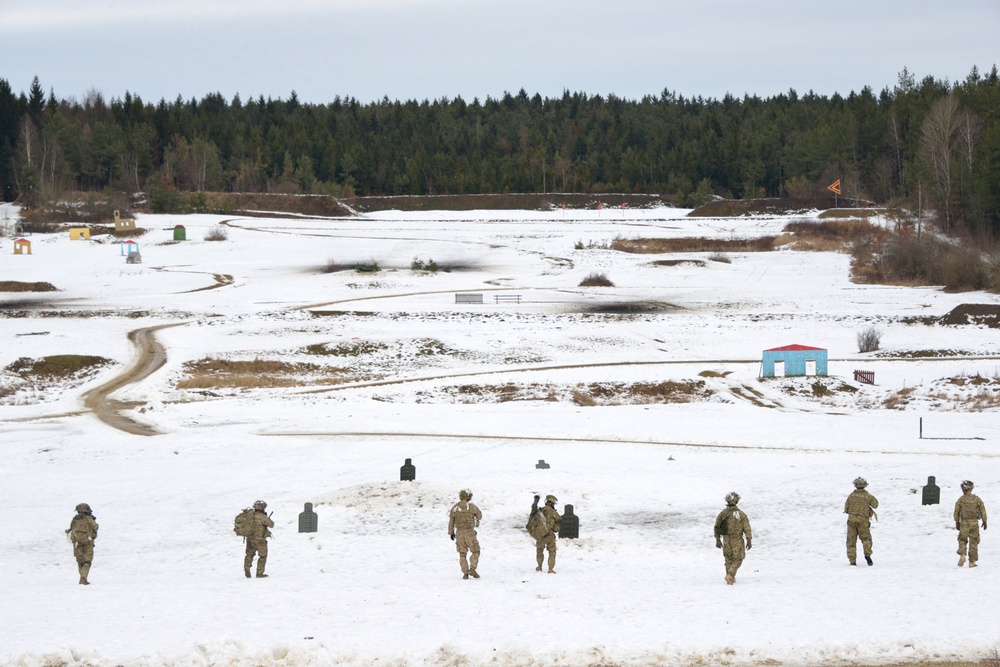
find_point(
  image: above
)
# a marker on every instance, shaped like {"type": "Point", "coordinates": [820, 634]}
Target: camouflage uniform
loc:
{"type": "Point", "coordinates": [730, 527]}
{"type": "Point", "coordinates": [82, 532]}
{"type": "Point", "coordinates": [548, 541]}
{"type": "Point", "coordinates": [859, 508]}
{"type": "Point", "coordinates": [463, 519]}
{"type": "Point", "coordinates": [257, 543]}
{"type": "Point", "coordinates": [969, 510]}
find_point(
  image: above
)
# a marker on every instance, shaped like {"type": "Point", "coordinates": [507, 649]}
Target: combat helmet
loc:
{"type": "Point", "coordinates": [967, 485]}
{"type": "Point", "coordinates": [551, 499]}
{"type": "Point", "coordinates": [860, 483]}
{"type": "Point", "coordinates": [83, 508]}
{"type": "Point", "coordinates": [465, 494]}
{"type": "Point", "coordinates": [732, 498]}
{"type": "Point", "coordinates": [259, 505]}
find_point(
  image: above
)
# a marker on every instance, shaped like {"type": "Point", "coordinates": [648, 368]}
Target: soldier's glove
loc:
{"type": "Point", "coordinates": [718, 543]}
{"type": "Point", "coordinates": [748, 545]}
{"type": "Point", "coordinates": [537, 498]}
{"type": "Point", "coordinates": [984, 525]}
{"type": "Point", "coordinates": [453, 537]}
{"type": "Point", "coordinates": [958, 526]}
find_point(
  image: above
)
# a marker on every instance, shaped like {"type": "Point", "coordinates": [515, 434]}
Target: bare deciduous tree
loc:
{"type": "Point", "coordinates": [937, 143]}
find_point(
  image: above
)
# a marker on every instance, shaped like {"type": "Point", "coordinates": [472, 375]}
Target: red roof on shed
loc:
{"type": "Point", "coordinates": [789, 348]}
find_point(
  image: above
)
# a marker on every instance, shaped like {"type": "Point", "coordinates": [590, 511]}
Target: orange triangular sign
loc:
{"type": "Point", "coordinates": [834, 187]}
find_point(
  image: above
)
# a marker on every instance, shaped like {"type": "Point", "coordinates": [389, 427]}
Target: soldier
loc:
{"type": "Point", "coordinates": [548, 539]}
{"type": "Point", "coordinates": [257, 542]}
{"type": "Point", "coordinates": [463, 520]}
{"type": "Point", "coordinates": [859, 508]}
{"type": "Point", "coordinates": [82, 532]}
{"type": "Point", "coordinates": [969, 511]}
{"type": "Point", "coordinates": [730, 527]}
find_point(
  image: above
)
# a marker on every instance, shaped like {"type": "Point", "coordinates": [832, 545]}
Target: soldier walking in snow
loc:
{"type": "Point", "coordinates": [543, 524]}
{"type": "Point", "coordinates": [859, 508]}
{"type": "Point", "coordinates": [257, 540]}
{"type": "Point", "coordinates": [82, 532]}
{"type": "Point", "coordinates": [730, 527]}
{"type": "Point", "coordinates": [463, 519]}
{"type": "Point", "coordinates": [969, 511]}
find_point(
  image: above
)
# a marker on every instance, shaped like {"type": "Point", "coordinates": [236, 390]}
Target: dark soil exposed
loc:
{"type": "Point", "coordinates": [973, 313]}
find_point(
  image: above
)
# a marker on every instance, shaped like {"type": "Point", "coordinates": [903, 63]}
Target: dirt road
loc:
{"type": "Point", "coordinates": [151, 356]}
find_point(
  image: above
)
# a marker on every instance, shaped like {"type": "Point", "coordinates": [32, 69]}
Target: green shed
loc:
{"type": "Point", "coordinates": [180, 234]}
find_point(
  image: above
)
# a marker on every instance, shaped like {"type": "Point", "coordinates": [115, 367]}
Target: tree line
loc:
{"type": "Point", "coordinates": [930, 144]}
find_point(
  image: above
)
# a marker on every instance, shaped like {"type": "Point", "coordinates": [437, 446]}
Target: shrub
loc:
{"type": "Point", "coordinates": [991, 658]}
{"type": "Point", "coordinates": [596, 280]}
{"type": "Point", "coordinates": [964, 269]}
{"type": "Point", "coordinates": [720, 257]}
{"type": "Point", "coordinates": [371, 266]}
{"type": "Point", "coordinates": [420, 265]}
{"type": "Point", "coordinates": [869, 339]}
{"type": "Point", "coordinates": [217, 233]}
{"type": "Point", "coordinates": [332, 266]}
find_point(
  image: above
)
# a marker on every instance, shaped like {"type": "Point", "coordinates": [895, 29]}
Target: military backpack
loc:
{"type": "Point", "coordinates": [538, 525]}
{"type": "Point", "coordinates": [245, 525]}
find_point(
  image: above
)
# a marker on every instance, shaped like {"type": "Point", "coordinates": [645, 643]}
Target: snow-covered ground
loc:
{"type": "Point", "coordinates": [387, 367]}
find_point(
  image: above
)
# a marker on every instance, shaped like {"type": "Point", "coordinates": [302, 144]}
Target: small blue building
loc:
{"type": "Point", "coordinates": [792, 360]}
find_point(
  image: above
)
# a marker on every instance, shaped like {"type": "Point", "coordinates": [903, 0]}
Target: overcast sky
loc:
{"type": "Point", "coordinates": [428, 49]}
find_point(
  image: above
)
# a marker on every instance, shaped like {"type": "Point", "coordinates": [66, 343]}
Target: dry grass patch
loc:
{"type": "Point", "coordinates": [56, 366]}
{"type": "Point", "coordinates": [899, 399]}
{"type": "Point", "coordinates": [678, 262]}
{"type": "Point", "coordinates": [587, 395]}
{"type": "Point", "coordinates": [17, 286]}
{"type": "Point", "coordinates": [852, 213]}
{"type": "Point", "coordinates": [259, 373]}
{"type": "Point", "coordinates": [693, 244]}
{"type": "Point", "coordinates": [825, 236]}
{"type": "Point", "coordinates": [28, 380]}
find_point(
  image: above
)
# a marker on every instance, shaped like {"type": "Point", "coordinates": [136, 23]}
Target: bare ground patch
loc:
{"type": "Point", "coordinates": [631, 308]}
{"type": "Point", "coordinates": [973, 313]}
{"type": "Point", "coordinates": [693, 244]}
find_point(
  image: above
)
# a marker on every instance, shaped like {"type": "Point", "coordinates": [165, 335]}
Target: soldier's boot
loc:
{"type": "Point", "coordinates": [972, 563]}
{"type": "Point", "coordinates": [246, 572]}
{"type": "Point", "coordinates": [261, 575]}
{"type": "Point", "coordinates": [84, 571]}
{"type": "Point", "coordinates": [475, 575]}
{"type": "Point", "coordinates": [961, 560]}
{"type": "Point", "coordinates": [730, 579]}
{"type": "Point", "coordinates": [853, 561]}
{"type": "Point", "coordinates": [868, 559]}
{"type": "Point", "coordinates": [539, 568]}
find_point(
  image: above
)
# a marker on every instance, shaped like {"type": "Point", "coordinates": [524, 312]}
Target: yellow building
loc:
{"type": "Point", "coordinates": [123, 224]}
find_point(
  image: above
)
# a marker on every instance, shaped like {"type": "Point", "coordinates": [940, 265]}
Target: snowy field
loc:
{"type": "Point", "coordinates": [369, 369]}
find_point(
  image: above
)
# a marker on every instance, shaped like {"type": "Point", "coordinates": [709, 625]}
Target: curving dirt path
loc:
{"type": "Point", "coordinates": [152, 355]}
